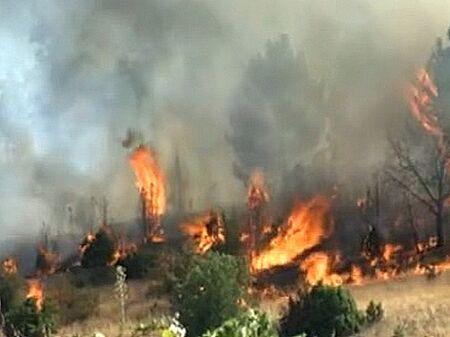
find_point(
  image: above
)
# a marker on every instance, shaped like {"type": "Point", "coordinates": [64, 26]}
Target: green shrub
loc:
{"type": "Point", "coordinates": [322, 312]}
{"type": "Point", "coordinates": [249, 324]}
{"type": "Point", "coordinates": [99, 253]}
{"type": "Point", "coordinates": [27, 320]}
{"type": "Point", "coordinates": [11, 291]}
{"type": "Point", "coordinates": [174, 267]}
{"type": "Point", "coordinates": [209, 292]}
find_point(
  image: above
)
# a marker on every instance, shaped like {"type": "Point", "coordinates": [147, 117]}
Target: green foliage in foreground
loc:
{"type": "Point", "coordinates": [26, 320]}
{"type": "Point", "coordinates": [323, 312]}
{"type": "Point", "coordinates": [210, 291]}
{"type": "Point", "coordinates": [249, 324]}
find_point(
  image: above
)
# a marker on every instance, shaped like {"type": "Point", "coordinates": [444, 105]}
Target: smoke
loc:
{"type": "Point", "coordinates": [228, 85]}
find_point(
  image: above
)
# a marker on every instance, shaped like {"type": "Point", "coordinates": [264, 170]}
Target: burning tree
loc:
{"type": "Point", "coordinates": [421, 169]}
{"type": "Point", "coordinates": [257, 199]}
{"type": "Point", "coordinates": [206, 231]}
{"type": "Point", "coordinates": [150, 182]}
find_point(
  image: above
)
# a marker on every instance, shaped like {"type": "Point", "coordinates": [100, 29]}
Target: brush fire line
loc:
{"type": "Point", "coordinates": [299, 242]}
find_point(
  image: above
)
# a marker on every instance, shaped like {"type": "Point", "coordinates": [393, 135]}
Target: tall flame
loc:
{"type": "Point", "coordinates": [307, 225]}
{"type": "Point", "coordinates": [150, 182]}
{"type": "Point", "coordinates": [149, 179]}
{"type": "Point", "coordinates": [420, 96]}
{"type": "Point", "coordinates": [258, 222]}
{"type": "Point", "coordinates": [36, 292]}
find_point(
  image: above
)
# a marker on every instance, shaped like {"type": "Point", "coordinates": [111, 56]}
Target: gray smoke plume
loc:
{"type": "Point", "coordinates": [228, 85]}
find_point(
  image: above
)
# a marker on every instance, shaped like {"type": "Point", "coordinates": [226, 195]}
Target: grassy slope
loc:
{"type": "Point", "coordinates": [422, 304]}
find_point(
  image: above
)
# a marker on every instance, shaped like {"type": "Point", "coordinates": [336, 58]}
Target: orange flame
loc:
{"type": "Point", "coordinates": [420, 97]}
{"type": "Point", "coordinates": [124, 248]}
{"type": "Point", "coordinates": [86, 243]}
{"type": "Point", "coordinates": [149, 180]}
{"type": "Point", "coordinates": [48, 261]}
{"type": "Point", "coordinates": [307, 225]}
{"type": "Point", "coordinates": [35, 292]}
{"type": "Point", "coordinates": [9, 266]}
{"type": "Point", "coordinates": [356, 275]}
{"type": "Point", "coordinates": [389, 250]}
{"type": "Point", "coordinates": [206, 231]}
{"type": "Point", "coordinates": [317, 268]}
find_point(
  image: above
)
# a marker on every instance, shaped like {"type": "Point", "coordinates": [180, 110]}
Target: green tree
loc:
{"type": "Point", "coordinates": [322, 312]}
{"type": "Point", "coordinates": [250, 324]}
{"type": "Point", "coordinates": [27, 320]}
{"type": "Point", "coordinates": [209, 292]}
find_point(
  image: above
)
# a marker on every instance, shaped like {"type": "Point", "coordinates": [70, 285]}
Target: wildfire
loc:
{"type": "Point", "coordinates": [151, 185]}
{"type": "Point", "coordinates": [389, 250]}
{"type": "Point", "coordinates": [86, 243]}
{"type": "Point", "coordinates": [36, 292]}
{"type": "Point", "coordinates": [317, 267]}
{"type": "Point", "coordinates": [47, 261]}
{"type": "Point", "coordinates": [258, 222]}
{"type": "Point", "coordinates": [307, 225]}
{"type": "Point", "coordinates": [420, 97]}
{"type": "Point", "coordinates": [356, 275]}
{"type": "Point", "coordinates": [9, 266]}
{"type": "Point", "coordinates": [206, 231]}
{"type": "Point", "coordinates": [124, 248]}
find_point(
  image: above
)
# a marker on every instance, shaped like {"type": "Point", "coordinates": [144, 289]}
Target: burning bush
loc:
{"type": "Point", "coordinates": [100, 250]}
{"type": "Point", "coordinates": [29, 320]}
{"type": "Point", "coordinates": [209, 292]}
{"type": "Point", "coordinates": [322, 312]}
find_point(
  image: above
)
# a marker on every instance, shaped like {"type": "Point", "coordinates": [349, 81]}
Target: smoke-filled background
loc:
{"type": "Point", "coordinates": [225, 86]}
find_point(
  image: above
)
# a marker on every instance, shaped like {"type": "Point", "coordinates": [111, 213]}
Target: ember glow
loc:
{"type": "Point", "coordinates": [306, 226]}
{"type": "Point", "coordinates": [9, 266]}
{"type": "Point", "coordinates": [86, 242]}
{"type": "Point", "coordinates": [150, 182]}
{"type": "Point", "coordinates": [47, 261]}
{"type": "Point", "coordinates": [205, 231]}
{"type": "Point", "coordinates": [35, 291]}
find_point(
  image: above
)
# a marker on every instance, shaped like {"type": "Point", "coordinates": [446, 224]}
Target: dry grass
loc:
{"type": "Point", "coordinates": [140, 308]}
{"type": "Point", "coordinates": [422, 305]}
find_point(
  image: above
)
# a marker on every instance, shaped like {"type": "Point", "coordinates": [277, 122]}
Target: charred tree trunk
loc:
{"type": "Point", "coordinates": [440, 233]}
